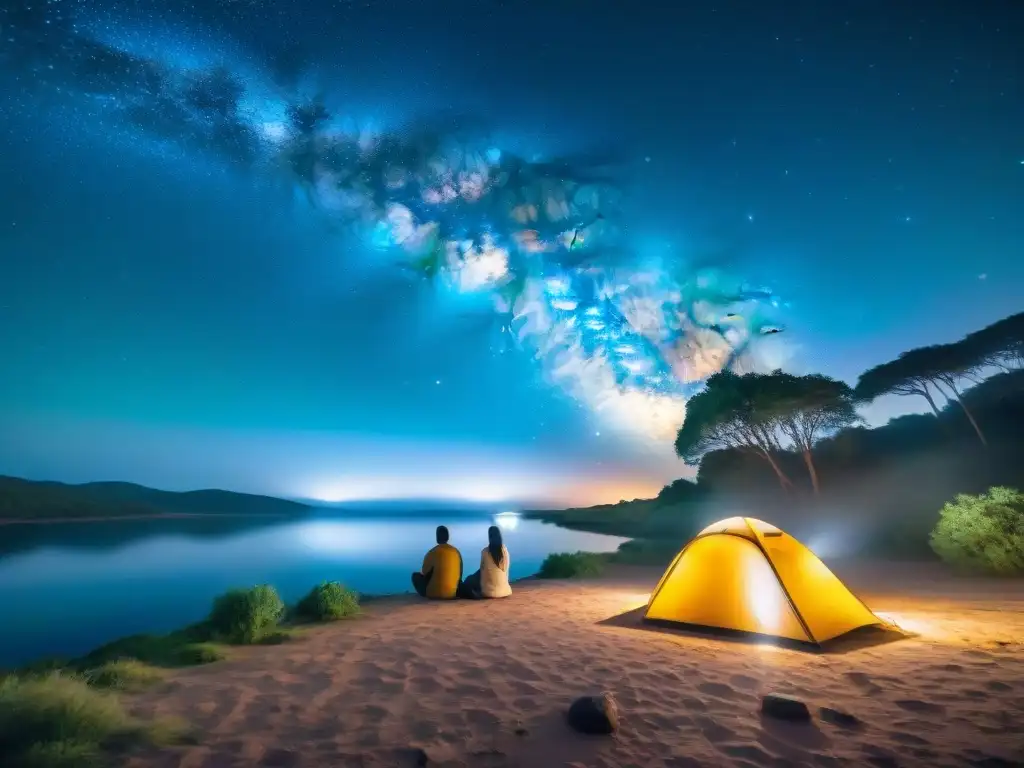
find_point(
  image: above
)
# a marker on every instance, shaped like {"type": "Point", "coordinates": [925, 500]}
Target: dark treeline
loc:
{"type": "Point", "coordinates": [794, 450]}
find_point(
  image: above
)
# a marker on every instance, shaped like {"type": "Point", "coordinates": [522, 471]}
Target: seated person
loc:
{"type": "Point", "coordinates": [491, 581]}
{"type": "Point", "coordinates": [442, 570]}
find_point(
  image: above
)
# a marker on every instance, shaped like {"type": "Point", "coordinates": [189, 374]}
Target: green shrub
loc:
{"type": "Point", "coordinates": [983, 533]}
{"type": "Point", "coordinates": [571, 565]}
{"type": "Point", "coordinates": [60, 722]}
{"type": "Point", "coordinates": [328, 602]}
{"type": "Point", "coordinates": [245, 616]}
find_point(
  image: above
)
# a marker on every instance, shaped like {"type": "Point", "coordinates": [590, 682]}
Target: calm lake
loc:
{"type": "Point", "coordinates": [66, 588]}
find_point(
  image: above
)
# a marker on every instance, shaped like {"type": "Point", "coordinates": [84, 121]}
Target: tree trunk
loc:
{"type": "Point", "coordinates": [931, 402]}
{"type": "Point", "coordinates": [967, 412]}
{"type": "Point", "coordinates": [784, 481]}
{"type": "Point", "coordinates": [809, 461]}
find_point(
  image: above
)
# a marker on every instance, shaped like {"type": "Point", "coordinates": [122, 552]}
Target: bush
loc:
{"type": "Point", "coordinates": [245, 616]}
{"type": "Point", "coordinates": [571, 565]}
{"type": "Point", "coordinates": [328, 602]}
{"type": "Point", "coordinates": [983, 533]}
{"type": "Point", "coordinates": [58, 721]}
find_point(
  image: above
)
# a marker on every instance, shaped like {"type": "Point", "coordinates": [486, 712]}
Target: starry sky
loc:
{"type": "Point", "coordinates": [175, 310]}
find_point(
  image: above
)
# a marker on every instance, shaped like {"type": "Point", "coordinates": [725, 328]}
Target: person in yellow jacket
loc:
{"type": "Point", "coordinates": [441, 574]}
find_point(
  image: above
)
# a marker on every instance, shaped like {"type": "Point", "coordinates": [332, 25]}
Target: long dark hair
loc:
{"type": "Point", "coordinates": [494, 544]}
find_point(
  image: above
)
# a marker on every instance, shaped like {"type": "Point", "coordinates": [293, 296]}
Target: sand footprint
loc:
{"type": "Point", "coordinates": [715, 732]}
{"type": "Point", "coordinates": [480, 718]}
{"type": "Point", "coordinates": [908, 738]}
{"type": "Point", "coordinates": [421, 685]}
{"type": "Point", "coordinates": [923, 707]}
{"type": "Point", "coordinates": [524, 689]}
{"type": "Point", "coordinates": [694, 704]}
{"type": "Point", "coordinates": [746, 682]}
{"type": "Point", "coordinates": [863, 681]}
{"type": "Point", "coordinates": [719, 690]}
{"type": "Point", "coordinates": [373, 713]}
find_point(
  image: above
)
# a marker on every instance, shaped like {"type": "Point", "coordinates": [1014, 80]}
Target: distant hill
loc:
{"type": "Point", "coordinates": [47, 500]}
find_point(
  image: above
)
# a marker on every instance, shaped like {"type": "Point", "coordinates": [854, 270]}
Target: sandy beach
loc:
{"type": "Point", "coordinates": [487, 684]}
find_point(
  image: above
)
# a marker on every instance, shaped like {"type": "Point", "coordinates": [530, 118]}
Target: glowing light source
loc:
{"type": "Point", "coordinates": [764, 596]}
{"type": "Point", "coordinates": [508, 521]}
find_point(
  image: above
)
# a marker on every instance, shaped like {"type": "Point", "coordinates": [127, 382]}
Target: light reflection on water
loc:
{"type": "Point", "coordinates": [68, 588]}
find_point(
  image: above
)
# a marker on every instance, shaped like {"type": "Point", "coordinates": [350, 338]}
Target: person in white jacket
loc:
{"type": "Point", "coordinates": [491, 581]}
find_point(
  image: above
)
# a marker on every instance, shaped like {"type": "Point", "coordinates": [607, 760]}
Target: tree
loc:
{"type": "Point", "coordinates": [731, 412]}
{"type": "Point", "coordinates": [808, 409]}
{"type": "Point", "coordinates": [903, 376]}
{"type": "Point", "coordinates": [1000, 344]}
{"type": "Point", "coordinates": [918, 371]}
{"type": "Point", "coordinates": [951, 363]}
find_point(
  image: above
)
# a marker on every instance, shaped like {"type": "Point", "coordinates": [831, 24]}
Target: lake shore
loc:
{"type": "Point", "coordinates": [153, 516]}
{"type": "Point", "coordinates": [487, 683]}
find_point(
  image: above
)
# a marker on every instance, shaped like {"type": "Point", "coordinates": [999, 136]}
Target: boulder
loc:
{"type": "Point", "coordinates": [594, 714]}
{"type": "Point", "coordinates": [784, 707]}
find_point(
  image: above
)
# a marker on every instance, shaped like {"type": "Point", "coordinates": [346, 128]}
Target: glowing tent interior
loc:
{"type": "Point", "coordinates": [747, 576]}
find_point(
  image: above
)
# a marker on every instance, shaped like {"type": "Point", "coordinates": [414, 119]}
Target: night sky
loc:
{"type": "Point", "coordinates": [177, 311]}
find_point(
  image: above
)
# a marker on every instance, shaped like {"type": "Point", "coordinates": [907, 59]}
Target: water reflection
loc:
{"type": "Point", "coordinates": [66, 589]}
{"type": "Point", "coordinates": [507, 521]}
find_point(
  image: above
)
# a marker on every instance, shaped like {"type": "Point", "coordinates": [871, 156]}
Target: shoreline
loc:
{"type": "Point", "coordinates": [612, 571]}
{"type": "Point", "coordinates": [379, 599]}
{"type": "Point", "coordinates": [155, 516]}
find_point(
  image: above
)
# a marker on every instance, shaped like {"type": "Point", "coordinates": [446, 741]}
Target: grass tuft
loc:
{"type": "Point", "coordinates": [128, 675]}
{"type": "Point", "coordinates": [59, 721]}
{"type": "Point", "coordinates": [184, 648]}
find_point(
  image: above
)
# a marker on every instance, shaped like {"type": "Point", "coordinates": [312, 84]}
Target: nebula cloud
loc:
{"type": "Point", "coordinates": [540, 240]}
{"type": "Point", "coordinates": [629, 342]}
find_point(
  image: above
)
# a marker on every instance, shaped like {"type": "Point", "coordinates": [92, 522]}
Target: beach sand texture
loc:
{"type": "Point", "coordinates": [486, 684]}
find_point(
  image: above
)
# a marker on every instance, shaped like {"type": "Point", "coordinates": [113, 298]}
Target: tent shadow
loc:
{"type": "Point", "coordinates": [857, 640]}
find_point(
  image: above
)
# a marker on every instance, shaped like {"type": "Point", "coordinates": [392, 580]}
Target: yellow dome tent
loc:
{"type": "Point", "coordinates": [747, 576]}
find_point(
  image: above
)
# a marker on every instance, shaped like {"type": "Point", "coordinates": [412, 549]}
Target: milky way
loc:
{"type": "Point", "coordinates": [540, 239]}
